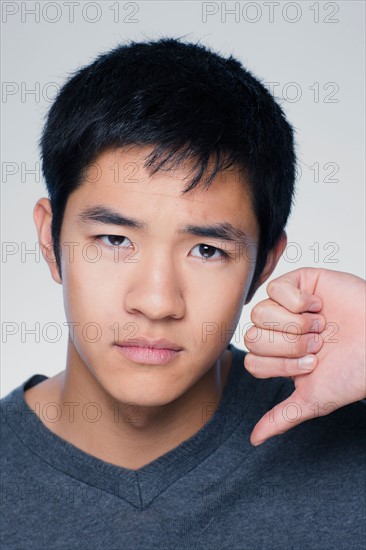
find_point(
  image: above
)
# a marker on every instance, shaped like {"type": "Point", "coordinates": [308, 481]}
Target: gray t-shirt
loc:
{"type": "Point", "coordinates": [215, 491]}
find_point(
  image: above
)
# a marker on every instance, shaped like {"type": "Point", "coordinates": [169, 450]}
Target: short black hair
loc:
{"type": "Point", "coordinates": [188, 102]}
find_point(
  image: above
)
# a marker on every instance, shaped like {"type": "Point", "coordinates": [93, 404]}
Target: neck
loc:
{"type": "Point", "coordinates": [110, 430]}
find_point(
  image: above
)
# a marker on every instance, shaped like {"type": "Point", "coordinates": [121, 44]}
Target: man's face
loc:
{"type": "Point", "coordinates": [159, 280]}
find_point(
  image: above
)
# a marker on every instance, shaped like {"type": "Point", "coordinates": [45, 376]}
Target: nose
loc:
{"type": "Point", "coordinates": [155, 289]}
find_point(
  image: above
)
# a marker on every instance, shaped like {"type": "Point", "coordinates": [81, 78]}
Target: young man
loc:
{"type": "Point", "coordinates": [170, 172]}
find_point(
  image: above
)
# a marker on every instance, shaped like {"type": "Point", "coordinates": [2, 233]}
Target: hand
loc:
{"type": "Point", "coordinates": [324, 307]}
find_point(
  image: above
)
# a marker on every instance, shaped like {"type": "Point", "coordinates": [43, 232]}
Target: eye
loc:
{"type": "Point", "coordinates": [208, 252]}
{"type": "Point", "coordinates": [115, 240]}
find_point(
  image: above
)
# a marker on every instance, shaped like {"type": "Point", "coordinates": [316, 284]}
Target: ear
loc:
{"type": "Point", "coordinates": [272, 260]}
{"type": "Point", "coordinates": [42, 215]}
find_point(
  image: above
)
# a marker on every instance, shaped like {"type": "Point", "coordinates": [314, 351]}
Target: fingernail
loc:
{"type": "Point", "coordinates": [314, 307]}
{"type": "Point", "coordinates": [307, 362]}
{"type": "Point", "coordinates": [257, 443]}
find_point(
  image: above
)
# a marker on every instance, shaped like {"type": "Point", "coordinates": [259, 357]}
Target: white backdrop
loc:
{"type": "Point", "coordinates": [310, 53]}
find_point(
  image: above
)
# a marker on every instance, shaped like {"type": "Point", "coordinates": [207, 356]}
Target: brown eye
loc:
{"type": "Point", "coordinates": [115, 240]}
{"type": "Point", "coordinates": [208, 252]}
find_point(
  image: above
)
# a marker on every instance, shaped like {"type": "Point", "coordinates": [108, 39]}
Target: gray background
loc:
{"type": "Point", "coordinates": [314, 51]}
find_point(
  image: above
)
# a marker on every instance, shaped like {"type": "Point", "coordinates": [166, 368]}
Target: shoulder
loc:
{"type": "Point", "coordinates": [15, 414]}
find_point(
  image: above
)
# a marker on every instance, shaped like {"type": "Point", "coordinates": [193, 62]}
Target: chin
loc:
{"type": "Point", "coordinates": [142, 395]}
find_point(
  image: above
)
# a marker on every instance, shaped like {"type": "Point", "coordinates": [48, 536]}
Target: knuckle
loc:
{"type": "Point", "coordinates": [250, 361]}
{"type": "Point", "coordinates": [246, 340]}
{"type": "Point", "coordinates": [256, 315]}
{"type": "Point", "coordinates": [249, 339]}
{"type": "Point", "coordinates": [272, 287]}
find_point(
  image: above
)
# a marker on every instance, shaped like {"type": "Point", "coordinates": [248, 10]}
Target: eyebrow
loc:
{"type": "Point", "coordinates": [106, 216]}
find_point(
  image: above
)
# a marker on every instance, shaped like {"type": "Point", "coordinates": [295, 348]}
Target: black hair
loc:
{"type": "Point", "coordinates": [188, 102]}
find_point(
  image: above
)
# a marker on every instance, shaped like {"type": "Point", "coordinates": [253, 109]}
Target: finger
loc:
{"type": "Point", "coordinates": [286, 415]}
{"type": "Point", "coordinates": [288, 291]}
{"type": "Point", "coordinates": [270, 315]}
{"type": "Point", "coordinates": [268, 367]}
{"type": "Point", "coordinates": [279, 344]}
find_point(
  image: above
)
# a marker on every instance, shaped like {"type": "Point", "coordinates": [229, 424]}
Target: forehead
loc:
{"type": "Point", "coordinates": [119, 179]}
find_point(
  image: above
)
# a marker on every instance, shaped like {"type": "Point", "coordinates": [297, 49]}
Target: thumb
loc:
{"type": "Point", "coordinates": [286, 415]}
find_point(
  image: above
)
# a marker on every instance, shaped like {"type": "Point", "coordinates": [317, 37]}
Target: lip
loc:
{"type": "Point", "coordinates": [141, 342]}
{"type": "Point", "coordinates": [149, 352]}
{"type": "Point", "coordinates": [149, 355]}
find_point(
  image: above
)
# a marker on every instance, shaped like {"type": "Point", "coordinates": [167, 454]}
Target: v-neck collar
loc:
{"type": "Point", "coordinates": [138, 487]}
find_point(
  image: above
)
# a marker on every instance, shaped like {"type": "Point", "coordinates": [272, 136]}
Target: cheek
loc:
{"type": "Point", "coordinates": [216, 305]}
{"type": "Point", "coordinates": [226, 287]}
{"type": "Point", "coordinates": [89, 294]}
